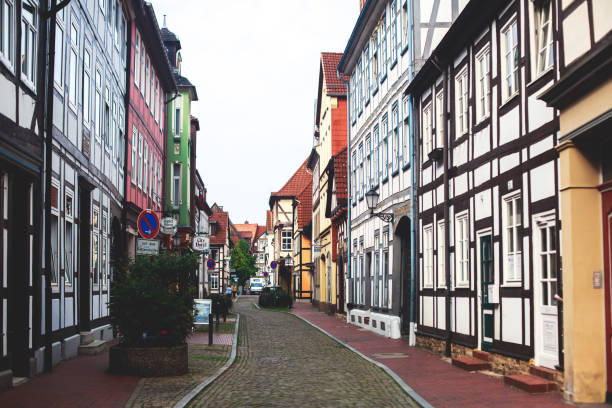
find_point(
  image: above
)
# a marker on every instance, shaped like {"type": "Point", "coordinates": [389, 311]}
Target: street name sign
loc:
{"type": "Point", "coordinates": [148, 224]}
{"type": "Point", "coordinates": [147, 247]}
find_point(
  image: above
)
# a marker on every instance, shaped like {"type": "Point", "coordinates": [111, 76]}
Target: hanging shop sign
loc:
{"type": "Point", "coordinates": [200, 243]}
{"type": "Point", "coordinates": [168, 226]}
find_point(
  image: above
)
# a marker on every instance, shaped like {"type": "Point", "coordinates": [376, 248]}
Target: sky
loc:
{"type": "Point", "coordinates": [255, 65]}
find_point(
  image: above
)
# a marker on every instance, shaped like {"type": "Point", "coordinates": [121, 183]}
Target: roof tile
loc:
{"type": "Point", "coordinates": [329, 62]}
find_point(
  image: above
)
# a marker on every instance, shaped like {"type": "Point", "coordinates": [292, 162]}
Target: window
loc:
{"type": "Point", "coordinates": [405, 24]}
{"type": "Point", "coordinates": [68, 241]}
{"type": "Point", "coordinates": [377, 275]}
{"type": "Point", "coordinates": [360, 85]}
{"type": "Point", "coordinates": [462, 250]}
{"type": "Point", "coordinates": [137, 61]}
{"type": "Point", "coordinates": [548, 264]}
{"type": "Point", "coordinates": [483, 84]}
{"type": "Point", "coordinates": [134, 154]}
{"type": "Point", "coordinates": [386, 269]}
{"type": "Point", "coordinates": [7, 31]}
{"type": "Point", "coordinates": [98, 105]}
{"type": "Point", "coordinates": [375, 157]}
{"type": "Point", "coordinates": [141, 68]}
{"type": "Point", "coordinates": [440, 120]}
{"type": "Point", "coordinates": [513, 241]}
{"type": "Point", "coordinates": [74, 63]}
{"type": "Point", "coordinates": [395, 136]}
{"type": "Point", "coordinates": [176, 185]}
{"type": "Point", "coordinates": [86, 86]}
{"type": "Point", "coordinates": [177, 119]}
{"type": "Point", "coordinates": [156, 103]}
{"type": "Point", "coordinates": [120, 150]}
{"type": "Point", "coordinates": [510, 59]}
{"type": "Point", "coordinates": [383, 46]}
{"type": "Point", "coordinates": [123, 39]}
{"type": "Point", "coordinates": [428, 257]}
{"type": "Point", "coordinates": [58, 73]}
{"type": "Point", "coordinates": [117, 28]}
{"type": "Point", "coordinates": [427, 142]}
{"type": "Point", "coordinates": [353, 179]}
{"type": "Point", "coordinates": [214, 281]}
{"type": "Point", "coordinates": [360, 171]}
{"type": "Point", "coordinates": [385, 148]}
{"type": "Point", "coordinates": [368, 163]}
{"type": "Point", "coordinates": [406, 133]}
{"type": "Point", "coordinates": [543, 36]}
{"type": "Point", "coordinates": [441, 255]}
{"type": "Point", "coordinates": [461, 103]}
{"type": "Point", "coordinates": [393, 29]}
{"type": "Point", "coordinates": [145, 181]}
{"type": "Point", "coordinates": [366, 67]}
{"type": "Point", "coordinates": [353, 97]}
{"type": "Point", "coordinates": [106, 134]}
{"type": "Point", "coordinates": [140, 160]}
{"type": "Point", "coordinates": [95, 264]}
{"type": "Point", "coordinates": [54, 248]}
{"type": "Point", "coordinates": [285, 240]}
{"type": "Point", "coordinates": [374, 59]}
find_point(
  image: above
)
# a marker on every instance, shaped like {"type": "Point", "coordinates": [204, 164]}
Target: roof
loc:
{"type": "Point", "coordinates": [221, 218]}
{"type": "Point", "coordinates": [329, 66]}
{"type": "Point", "coordinates": [234, 234]}
{"type": "Point", "coordinates": [261, 229]}
{"type": "Point", "coordinates": [247, 231]}
{"type": "Point", "coordinates": [295, 185]}
{"type": "Point", "coordinates": [168, 35]}
{"type": "Point", "coordinates": [304, 206]}
{"type": "Point", "coordinates": [269, 221]}
{"type": "Point", "coordinates": [182, 82]}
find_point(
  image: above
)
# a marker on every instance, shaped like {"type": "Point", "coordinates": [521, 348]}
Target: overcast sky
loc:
{"type": "Point", "coordinates": [255, 64]}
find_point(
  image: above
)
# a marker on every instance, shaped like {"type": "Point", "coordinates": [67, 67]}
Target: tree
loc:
{"type": "Point", "coordinates": [243, 262]}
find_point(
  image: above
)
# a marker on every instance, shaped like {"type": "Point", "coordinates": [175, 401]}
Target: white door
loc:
{"type": "Point", "coordinates": [545, 282]}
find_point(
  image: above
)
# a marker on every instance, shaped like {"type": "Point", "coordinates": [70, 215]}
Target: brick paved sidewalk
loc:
{"type": "Point", "coordinates": [437, 381]}
{"type": "Point", "coordinates": [84, 382]}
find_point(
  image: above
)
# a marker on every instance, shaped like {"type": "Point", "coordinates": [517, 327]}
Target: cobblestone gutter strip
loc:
{"type": "Point", "coordinates": [194, 393]}
{"type": "Point", "coordinates": [413, 394]}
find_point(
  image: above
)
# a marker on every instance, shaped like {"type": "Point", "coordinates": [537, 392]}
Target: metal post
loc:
{"type": "Point", "coordinates": [210, 329]}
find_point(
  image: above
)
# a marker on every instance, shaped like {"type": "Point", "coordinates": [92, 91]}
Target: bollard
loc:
{"type": "Point", "coordinates": [210, 329]}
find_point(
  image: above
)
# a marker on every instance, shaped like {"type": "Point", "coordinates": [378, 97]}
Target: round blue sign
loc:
{"type": "Point", "coordinates": [148, 224]}
{"type": "Point", "coordinates": [210, 263]}
{"type": "Point", "coordinates": [273, 264]}
{"type": "Point", "coordinates": [266, 274]}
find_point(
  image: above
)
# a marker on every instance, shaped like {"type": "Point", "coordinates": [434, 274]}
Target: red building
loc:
{"type": "Point", "coordinates": [150, 84]}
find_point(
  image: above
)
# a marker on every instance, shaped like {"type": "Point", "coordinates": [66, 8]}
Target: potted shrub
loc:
{"type": "Point", "coordinates": [152, 308]}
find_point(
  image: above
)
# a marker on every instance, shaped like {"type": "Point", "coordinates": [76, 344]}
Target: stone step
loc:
{"type": "Point", "coordinates": [87, 337]}
{"type": "Point", "coordinates": [530, 383]}
{"type": "Point", "coordinates": [471, 364]}
{"type": "Point", "coordinates": [93, 348]}
{"type": "Point", "coordinates": [543, 372]}
{"type": "Point", "coordinates": [481, 355]}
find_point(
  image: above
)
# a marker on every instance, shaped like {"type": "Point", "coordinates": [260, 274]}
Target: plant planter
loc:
{"type": "Point", "coordinates": [149, 361]}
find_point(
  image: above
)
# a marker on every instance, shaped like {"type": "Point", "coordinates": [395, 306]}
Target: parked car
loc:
{"type": "Point", "coordinates": [256, 285]}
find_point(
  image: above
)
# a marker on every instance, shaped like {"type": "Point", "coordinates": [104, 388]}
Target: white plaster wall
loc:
{"type": "Point", "coordinates": [509, 126]}
{"type": "Point", "coordinates": [543, 181]}
{"type": "Point", "coordinates": [511, 320]}
{"type": "Point", "coordinates": [576, 40]}
{"type": "Point", "coordinates": [7, 101]}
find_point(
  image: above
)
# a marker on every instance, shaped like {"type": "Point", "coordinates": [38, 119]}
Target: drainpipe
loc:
{"type": "Point", "coordinates": [348, 170]}
{"type": "Point", "coordinates": [446, 212]}
{"type": "Point", "coordinates": [413, 203]}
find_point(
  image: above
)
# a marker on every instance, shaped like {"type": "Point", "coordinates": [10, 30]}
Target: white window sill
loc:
{"type": "Point", "coordinates": [7, 63]}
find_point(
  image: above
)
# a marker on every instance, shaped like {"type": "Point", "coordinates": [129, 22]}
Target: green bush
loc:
{"type": "Point", "coordinates": [275, 298]}
{"type": "Point", "coordinates": [151, 302]}
{"type": "Point", "coordinates": [219, 301]}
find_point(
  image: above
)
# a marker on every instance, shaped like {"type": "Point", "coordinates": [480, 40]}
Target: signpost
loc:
{"type": "Point", "coordinates": [147, 247]}
{"type": "Point", "coordinates": [168, 226]}
{"type": "Point", "coordinates": [148, 224]}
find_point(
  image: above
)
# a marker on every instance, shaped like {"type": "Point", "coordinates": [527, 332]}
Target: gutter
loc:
{"type": "Point", "coordinates": [352, 38]}
{"type": "Point", "coordinates": [348, 168]}
{"type": "Point", "coordinates": [413, 203]}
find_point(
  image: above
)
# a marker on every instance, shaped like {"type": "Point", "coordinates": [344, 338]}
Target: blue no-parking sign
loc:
{"type": "Point", "coordinates": [148, 224]}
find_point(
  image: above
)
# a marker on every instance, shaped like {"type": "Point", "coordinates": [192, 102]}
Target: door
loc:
{"type": "Point", "coordinates": [545, 278]}
{"type": "Point", "coordinates": [84, 277]}
{"type": "Point", "coordinates": [487, 276]}
{"type": "Point", "coordinates": [607, 279]}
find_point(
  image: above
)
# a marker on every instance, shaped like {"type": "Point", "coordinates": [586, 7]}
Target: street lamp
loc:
{"type": "Point", "coordinates": [372, 200]}
{"type": "Point", "coordinates": [288, 261]}
{"type": "Point", "coordinates": [176, 240]}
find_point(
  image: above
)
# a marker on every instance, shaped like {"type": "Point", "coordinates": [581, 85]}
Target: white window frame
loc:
{"type": "Point", "coordinates": [286, 238]}
{"type": "Point", "coordinates": [427, 135]}
{"type": "Point", "coordinates": [98, 105]}
{"type": "Point", "coordinates": [543, 30]}
{"type": "Point", "coordinates": [512, 238]}
{"type": "Point", "coordinates": [137, 60]}
{"type": "Point", "coordinates": [428, 256]}
{"type": "Point", "coordinates": [395, 137]}
{"type": "Point", "coordinates": [510, 77]}
{"type": "Point", "coordinates": [441, 251]}
{"type": "Point", "coordinates": [440, 119]}
{"type": "Point", "coordinates": [7, 34]}
{"type": "Point", "coordinates": [360, 171]}
{"type": "Point", "coordinates": [134, 171]}
{"type": "Point", "coordinates": [69, 261]}
{"type": "Point", "coordinates": [462, 249]}
{"type": "Point", "coordinates": [86, 88]}
{"type": "Point", "coordinates": [140, 160]}
{"type": "Point", "coordinates": [60, 32]}
{"type": "Point", "coordinates": [145, 176]}
{"type": "Point", "coordinates": [177, 177]}
{"type": "Point", "coordinates": [461, 103]}
{"type": "Point", "coordinates": [483, 84]}
{"type": "Point", "coordinates": [73, 84]}
{"type": "Point", "coordinates": [385, 147]}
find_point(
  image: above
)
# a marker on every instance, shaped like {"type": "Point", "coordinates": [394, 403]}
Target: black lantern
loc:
{"type": "Point", "coordinates": [372, 201]}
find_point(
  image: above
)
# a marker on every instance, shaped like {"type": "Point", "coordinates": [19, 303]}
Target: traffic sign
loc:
{"type": "Point", "coordinates": [266, 274]}
{"type": "Point", "coordinates": [148, 224]}
{"type": "Point", "coordinates": [273, 264]}
{"type": "Point", "coordinates": [210, 263]}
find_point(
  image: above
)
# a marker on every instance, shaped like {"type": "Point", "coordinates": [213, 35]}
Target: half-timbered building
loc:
{"type": "Point", "coordinates": [220, 245]}
{"type": "Point", "coordinates": [87, 128]}
{"type": "Point", "coordinates": [488, 222]}
{"type": "Point", "coordinates": [22, 84]}
{"type": "Point", "coordinates": [388, 41]}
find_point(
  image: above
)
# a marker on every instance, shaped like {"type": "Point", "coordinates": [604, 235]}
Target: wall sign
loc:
{"type": "Point", "coordinates": [147, 247]}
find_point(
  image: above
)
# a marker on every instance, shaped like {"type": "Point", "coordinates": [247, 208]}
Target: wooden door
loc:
{"type": "Point", "coordinates": [607, 279]}
{"type": "Point", "coordinates": [487, 276]}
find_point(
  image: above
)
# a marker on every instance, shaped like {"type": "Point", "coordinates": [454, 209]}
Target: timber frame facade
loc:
{"type": "Point", "coordinates": [488, 222]}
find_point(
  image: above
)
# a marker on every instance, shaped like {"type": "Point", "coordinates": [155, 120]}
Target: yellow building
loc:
{"type": "Point", "coordinates": [330, 139]}
{"type": "Point", "coordinates": [583, 96]}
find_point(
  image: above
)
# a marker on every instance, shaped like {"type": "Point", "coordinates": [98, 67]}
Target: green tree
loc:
{"type": "Point", "coordinates": [243, 262]}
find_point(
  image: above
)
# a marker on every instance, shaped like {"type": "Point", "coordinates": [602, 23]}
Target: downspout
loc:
{"type": "Point", "coordinates": [446, 210]}
{"type": "Point", "coordinates": [348, 178]}
{"type": "Point", "coordinates": [126, 152]}
{"type": "Point", "coordinates": [413, 206]}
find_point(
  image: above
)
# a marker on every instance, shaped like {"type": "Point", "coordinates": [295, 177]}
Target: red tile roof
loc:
{"type": "Point", "coordinates": [295, 185]}
{"type": "Point", "coordinates": [248, 231]}
{"type": "Point", "coordinates": [221, 219]}
{"type": "Point", "coordinates": [305, 206]}
{"type": "Point", "coordinates": [261, 229]}
{"type": "Point", "coordinates": [329, 64]}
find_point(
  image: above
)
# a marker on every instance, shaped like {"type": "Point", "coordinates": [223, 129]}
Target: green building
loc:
{"type": "Point", "coordinates": [180, 154]}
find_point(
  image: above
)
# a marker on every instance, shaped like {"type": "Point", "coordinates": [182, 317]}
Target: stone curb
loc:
{"type": "Point", "coordinates": [194, 393]}
{"type": "Point", "coordinates": [257, 306]}
{"type": "Point", "coordinates": [407, 389]}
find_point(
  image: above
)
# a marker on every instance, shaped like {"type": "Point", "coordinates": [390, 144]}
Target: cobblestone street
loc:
{"type": "Point", "coordinates": [282, 361]}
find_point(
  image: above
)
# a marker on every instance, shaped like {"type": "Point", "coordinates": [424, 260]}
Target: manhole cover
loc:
{"type": "Point", "coordinates": [275, 358]}
{"type": "Point", "coordinates": [390, 355]}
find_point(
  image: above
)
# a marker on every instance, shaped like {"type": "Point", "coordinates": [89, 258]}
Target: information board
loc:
{"type": "Point", "coordinates": [203, 309]}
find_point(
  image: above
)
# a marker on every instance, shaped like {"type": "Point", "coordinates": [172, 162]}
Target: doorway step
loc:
{"type": "Point", "coordinates": [90, 345]}
{"type": "Point", "coordinates": [540, 379]}
{"type": "Point", "coordinates": [478, 361]}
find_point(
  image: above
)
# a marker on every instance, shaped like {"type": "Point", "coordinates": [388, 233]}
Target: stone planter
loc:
{"type": "Point", "coordinates": [149, 361]}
